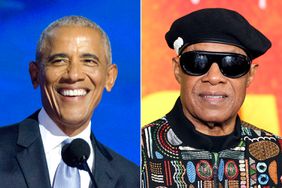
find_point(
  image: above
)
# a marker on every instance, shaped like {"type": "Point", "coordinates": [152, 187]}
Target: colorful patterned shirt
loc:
{"type": "Point", "coordinates": [174, 154]}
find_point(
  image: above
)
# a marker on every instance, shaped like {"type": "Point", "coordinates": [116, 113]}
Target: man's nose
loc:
{"type": "Point", "coordinates": [214, 75]}
{"type": "Point", "coordinates": [75, 71]}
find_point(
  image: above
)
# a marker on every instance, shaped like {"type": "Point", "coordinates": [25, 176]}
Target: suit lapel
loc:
{"type": "Point", "coordinates": [104, 174]}
{"type": "Point", "coordinates": [30, 155]}
{"type": "Point", "coordinates": [31, 158]}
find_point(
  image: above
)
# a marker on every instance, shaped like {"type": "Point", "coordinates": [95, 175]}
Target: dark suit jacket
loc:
{"type": "Point", "coordinates": [23, 163]}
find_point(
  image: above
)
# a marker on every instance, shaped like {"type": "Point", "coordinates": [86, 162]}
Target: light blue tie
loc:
{"type": "Point", "coordinates": [66, 176]}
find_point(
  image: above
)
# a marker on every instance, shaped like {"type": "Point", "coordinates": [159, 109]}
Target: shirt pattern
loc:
{"type": "Point", "coordinates": [166, 162]}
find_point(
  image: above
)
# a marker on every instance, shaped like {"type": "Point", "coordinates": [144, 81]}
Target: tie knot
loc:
{"type": "Point", "coordinates": [67, 141]}
{"type": "Point", "coordinates": [66, 176]}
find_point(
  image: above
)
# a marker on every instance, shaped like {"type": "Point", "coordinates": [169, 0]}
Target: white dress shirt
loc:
{"type": "Point", "coordinates": [52, 137]}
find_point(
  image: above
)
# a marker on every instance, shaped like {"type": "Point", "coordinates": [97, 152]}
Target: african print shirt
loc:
{"type": "Point", "coordinates": [175, 155]}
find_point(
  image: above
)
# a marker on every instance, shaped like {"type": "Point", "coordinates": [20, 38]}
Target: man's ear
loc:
{"type": "Point", "coordinates": [176, 68]}
{"type": "Point", "coordinates": [252, 73]}
{"type": "Point", "coordinates": [34, 73]}
{"type": "Point", "coordinates": [112, 72]}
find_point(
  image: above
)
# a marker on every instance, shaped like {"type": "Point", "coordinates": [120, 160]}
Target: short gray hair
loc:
{"type": "Point", "coordinates": [73, 21]}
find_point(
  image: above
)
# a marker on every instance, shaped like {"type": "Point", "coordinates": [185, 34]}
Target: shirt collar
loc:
{"type": "Point", "coordinates": [53, 136]}
{"type": "Point", "coordinates": [187, 133]}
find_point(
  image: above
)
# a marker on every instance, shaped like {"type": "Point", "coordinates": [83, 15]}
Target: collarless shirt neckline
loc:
{"type": "Point", "coordinates": [186, 132]}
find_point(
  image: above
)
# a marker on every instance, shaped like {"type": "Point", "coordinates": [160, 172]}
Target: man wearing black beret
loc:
{"type": "Point", "coordinates": [202, 142]}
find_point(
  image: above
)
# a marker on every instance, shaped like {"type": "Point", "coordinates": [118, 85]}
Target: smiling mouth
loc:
{"type": "Point", "coordinates": [213, 97]}
{"type": "Point", "coordinates": [73, 92]}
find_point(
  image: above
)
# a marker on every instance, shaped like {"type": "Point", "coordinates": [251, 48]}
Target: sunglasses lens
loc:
{"type": "Point", "coordinates": [231, 65]}
{"type": "Point", "coordinates": [194, 64]}
{"type": "Point", "coordinates": [234, 66]}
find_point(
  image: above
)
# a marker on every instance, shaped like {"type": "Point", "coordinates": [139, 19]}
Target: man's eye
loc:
{"type": "Point", "coordinates": [58, 61]}
{"type": "Point", "coordinates": [90, 62]}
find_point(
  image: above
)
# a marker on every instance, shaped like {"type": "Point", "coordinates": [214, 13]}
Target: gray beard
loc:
{"type": "Point", "coordinates": [210, 124]}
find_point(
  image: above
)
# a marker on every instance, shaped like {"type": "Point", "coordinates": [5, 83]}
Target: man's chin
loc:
{"type": "Point", "coordinates": [215, 117]}
{"type": "Point", "coordinates": [73, 122]}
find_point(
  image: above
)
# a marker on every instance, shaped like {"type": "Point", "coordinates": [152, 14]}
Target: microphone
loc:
{"type": "Point", "coordinates": [75, 154]}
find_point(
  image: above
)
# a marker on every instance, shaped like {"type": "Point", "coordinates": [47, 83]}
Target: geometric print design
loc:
{"type": "Point", "coordinates": [156, 172]}
{"type": "Point", "coordinates": [179, 172]}
{"type": "Point", "coordinates": [255, 162]}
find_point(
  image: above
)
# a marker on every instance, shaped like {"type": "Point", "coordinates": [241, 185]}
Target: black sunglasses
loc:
{"type": "Point", "coordinates": [197, 63]}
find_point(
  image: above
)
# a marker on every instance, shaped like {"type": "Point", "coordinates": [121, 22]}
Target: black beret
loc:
{"type": "Point", "coordinates": [217, 25]}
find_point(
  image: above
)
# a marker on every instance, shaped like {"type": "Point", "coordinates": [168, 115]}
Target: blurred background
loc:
{"type": "Point", "coordinates": [263, 105]}
{"type": "Point", "coordinates": [116, 121]}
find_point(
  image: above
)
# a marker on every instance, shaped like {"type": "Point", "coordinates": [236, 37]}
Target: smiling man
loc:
{"type": "Point", "coordinates": [202, 142]}
{"type": "Point", "coordinates": [72, 68]}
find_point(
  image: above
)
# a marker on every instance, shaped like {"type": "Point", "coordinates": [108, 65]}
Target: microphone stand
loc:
{"type": "Point", "coordinates": [84, 166]}
{"type": "Point", "coordinates": [77, 158]}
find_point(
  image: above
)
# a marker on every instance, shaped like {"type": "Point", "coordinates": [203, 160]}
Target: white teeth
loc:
{"type": "Point", "coordinates": [214, 97]}
{"type": "Point", "coordinates": [73, 92]}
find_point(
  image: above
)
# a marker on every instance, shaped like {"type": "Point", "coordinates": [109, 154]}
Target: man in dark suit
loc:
{"type": "Point", "coordinates": [72, 68]}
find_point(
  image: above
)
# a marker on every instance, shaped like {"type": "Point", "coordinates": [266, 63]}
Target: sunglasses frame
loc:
{"type": "Point", "coordinates": [215, 57]}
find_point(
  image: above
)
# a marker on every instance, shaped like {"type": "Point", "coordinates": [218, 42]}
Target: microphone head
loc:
{"type": "Point", "coordinates": [76, 153]}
